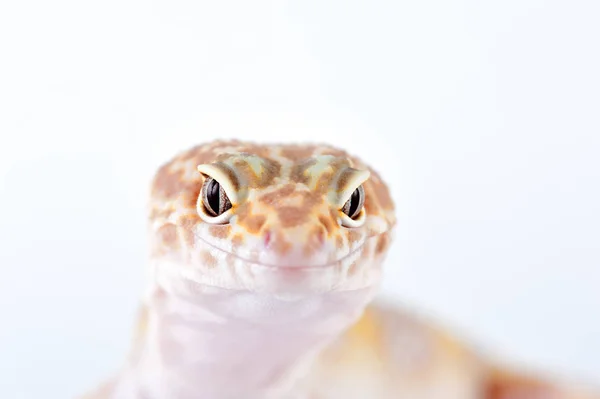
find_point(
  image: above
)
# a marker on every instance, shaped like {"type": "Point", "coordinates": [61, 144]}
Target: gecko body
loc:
{"type": "Point", "coordinates": [264, 262]}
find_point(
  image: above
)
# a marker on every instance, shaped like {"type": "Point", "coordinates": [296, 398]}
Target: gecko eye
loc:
{"type": "Point", "coordinates": [214, 198]}
{"type": "Point", "coordinates": [354, 205]}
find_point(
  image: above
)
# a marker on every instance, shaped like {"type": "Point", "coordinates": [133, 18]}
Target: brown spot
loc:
{"type": "Point", "coordinates": [220, 231]}
{"type": "Point", "coordinates": [382, 243]}
{"type": "Point", "coordinates": [323, 183]}
{"type": "Point", "coordinates": [188, 237]}
{"type": "Point", "coordinates": [237, 240]}
{"type": "Point", "coordinates": [298, 174]}
{"type": "Point", "coordinates": [270, 171]}
{"type": "Point", "coordinates": [280, 245]}
{"type": "Point", "coordinates": [190, 190]}
{"type": "Point", "coordinates": [354, 236]}
{"type": "Point", "coordinates": [243, 211]}
{"type": "Point", "coordinates": [167, 234]}
{"type": "Point", "coordinates": [208, 259]}
{"type": "Point", "coordinates": [254, 223]}
{"type": "Point", "coordinates": [339, 163]}
{"type": "Point", "coordinates": [319, 234]}
{"type": "Point", "coordinates": [188, 220]}
{"type": "Point", "coordinates": [335, 214]}
{"type": "Point", "coordinates": [188, 223]}
{"type": "Point", "coordinates": [297, 153]}
{"type": "Point", "coordinates": [339, 242]}
{"type": "Point", "coordinates": [273, 198]}
{"type": "Point", "coordinates": [310, 200]}
{"type": "Point", "coordinates": [353, 269]}
{"type": "Point", "coordinates": [291, 216]}
{"type": "Point", "coordinates": [166, 181]}
{"type": "Point", "coordinates": [314, 240]}
{"type": "Point", "coordinates": [344, 178]}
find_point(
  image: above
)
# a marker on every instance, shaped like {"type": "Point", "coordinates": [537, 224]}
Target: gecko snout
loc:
{"type": "Point", "coordinates": [306, 243]}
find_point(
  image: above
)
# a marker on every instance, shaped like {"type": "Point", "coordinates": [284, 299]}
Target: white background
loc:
{"type": "Point", "coordinates": [482, 116]}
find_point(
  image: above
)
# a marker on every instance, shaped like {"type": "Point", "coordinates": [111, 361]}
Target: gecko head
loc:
{"type": "Point", "coordinates": [230, 205]}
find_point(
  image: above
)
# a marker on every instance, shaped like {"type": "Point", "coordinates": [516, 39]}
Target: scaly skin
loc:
{"type": "Point", "coordinates": [273, 299]}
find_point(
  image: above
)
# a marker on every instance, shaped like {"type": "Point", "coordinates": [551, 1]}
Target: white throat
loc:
{"type": "Point", "coordinates": [213, 343]}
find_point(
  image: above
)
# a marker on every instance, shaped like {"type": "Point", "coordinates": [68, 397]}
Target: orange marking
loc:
{"type": "Point", "coordinates": [328, 224]}
{"type": "Point", "coordinates": [208, 259]}
{"type": "Point", "coordinates": [246, 219]}
{"type": "Point", "coordinates": [339, 242]}
{"type": "Point", "coordinates": [314, 240]}
{"type": "Point", "coordinates": [297, 153]}
{"type": "Point", "coordinates": [354, 236]}
{"type": "Point", "coordinates": [382, 243]}
{"type": "Point", "coordinates": [168, 234]}
{"type": "Point", "coordinates": [291, 216]}
{"type": "Point", "coordinates": [255, 223]}
{"type": "Point", "coordinates": [237, 240]}
{"type": "Point", "coordinates": [298, 172]}
{"type": "Point", "coordinates": [323, 182]}
{"type": "Point", "coordinates": [281, 245]}
{"type": "Point", "coordinates": [274, 197]}
{"type": "Point", "coordinates": [220, 230]}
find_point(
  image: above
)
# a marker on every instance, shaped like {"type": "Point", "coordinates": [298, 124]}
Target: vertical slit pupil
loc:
{"type": "Point", "coordinates": [354, 201]}
{"type": "Point", "coordinates": [214, 196]}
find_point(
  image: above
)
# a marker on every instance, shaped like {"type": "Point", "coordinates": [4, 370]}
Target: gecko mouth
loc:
{"type": "Point", "coordinates": [287, 264]}
{"type": "Point", "coordinates": [233, 272]}
{"type": "Point", "coordinates": [350, 272]}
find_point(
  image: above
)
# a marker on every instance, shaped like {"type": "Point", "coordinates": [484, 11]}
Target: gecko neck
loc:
{"type": "Point", "coordinates": [231, 344]}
